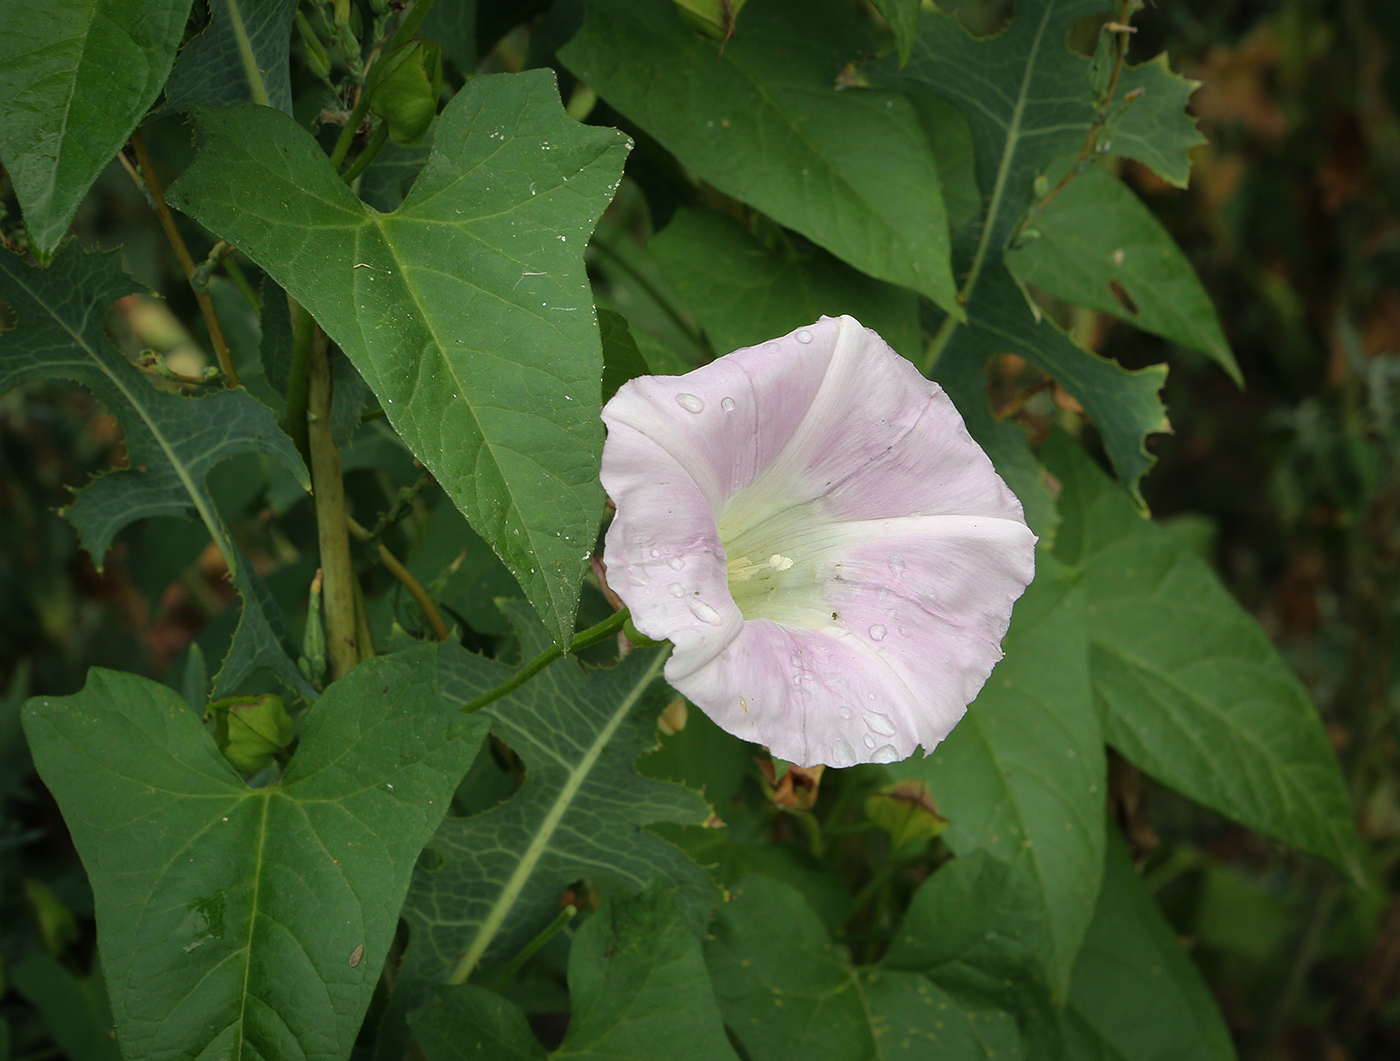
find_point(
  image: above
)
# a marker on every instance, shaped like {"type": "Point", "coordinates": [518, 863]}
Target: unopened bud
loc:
{"type": "Point", "coordinates": [405, 85]}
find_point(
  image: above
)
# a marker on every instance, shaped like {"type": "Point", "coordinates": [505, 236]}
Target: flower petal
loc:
{"type": "Point", "coordinates": [834, 492]}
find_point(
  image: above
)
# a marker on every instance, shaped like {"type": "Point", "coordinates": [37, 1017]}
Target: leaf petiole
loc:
{"type": "Point", "coordinates": [583, 639]}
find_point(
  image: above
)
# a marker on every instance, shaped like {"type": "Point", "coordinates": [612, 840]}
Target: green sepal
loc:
{"type": "Point", "coordinates": [714, 18]}
{"type": "Point", "coordinates": [251, 731]}
{"type": "Point", "coordinates": [404, 87]}
{"type": "Point", "coordinates": [906, 811]}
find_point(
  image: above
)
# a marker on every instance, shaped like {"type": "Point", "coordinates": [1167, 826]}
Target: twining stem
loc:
{"type": "Point", "coordinates": [368, 155]}
{"type": "Point", "coordinates": [950, 324]}
{"type": "Point", "coordinates": [414, 587]}
{"type": "Point", "coordinates": [407, 28]}
{"type": "Point", "coordinates": [172, 233]}
{"type": "Point", "coordinates": [583, 639]}
{"type": "Point", "coordinates": [532, 948]}
{"type": "Point", "coordinates": [352, 123]}
{"type": "Point", "coordinates": [332, 532]}
{"type": "Point", "coordinates": [298, 370]}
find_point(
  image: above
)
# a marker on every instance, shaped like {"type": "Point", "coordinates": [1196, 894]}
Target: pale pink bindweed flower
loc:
{"type": "Point", "coordinates": [810, 524]}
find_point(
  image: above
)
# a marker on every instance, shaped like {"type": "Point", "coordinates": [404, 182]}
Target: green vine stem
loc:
{"type": "Point", "coordinates": [532, 948]}
{"type": "Point", "coordinates": [298, 370]}
{"type": "Point", "coordinates": [368, 155]}
{"type": "Point", "coordinates": [343, 646]}
{"type": "Point", "coordinates": [583, 639]}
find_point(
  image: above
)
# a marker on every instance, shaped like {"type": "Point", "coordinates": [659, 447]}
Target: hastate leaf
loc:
{"type": "Point", "coordinates": [637, 988]}
{"type": "Point", "coordinates": [466, 310]}
{"type": "Point", "coordinates": [743, 293]}
{"type": "Point", "coordinates": [172, 441]}
{"type": "Point", "coordinates": [254, 922]}
{"type": "Point", "coordinates": [1022, 775]}
{"type": "Point", "coordinates": [75, 78]}
{"type": "Point", "coordinates": [241, 56]}
{"type": "Point", "coordinates": [1189, 686]}
{"type": "Point", "coordinates": [786, 992]}
{"type": "Point", "coordinates": [491, 881]}
{"type": "Point", "coordinates": [1028, 101]}
{"type": "Point", "coordinates": [1096, 245]}
{"type": "Point", "coordinates": [762, 120]}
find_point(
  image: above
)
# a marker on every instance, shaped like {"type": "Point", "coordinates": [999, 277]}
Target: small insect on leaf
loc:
{"type": "Point", "coordinates": [356, 955]}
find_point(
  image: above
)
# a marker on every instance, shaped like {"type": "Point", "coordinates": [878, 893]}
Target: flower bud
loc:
{"type": "Point", "coordinates": [404, 85]}
{"type": "Point", "coordinates": [713, 18]}
{"type": "Point", "coordinates": [251, 731]}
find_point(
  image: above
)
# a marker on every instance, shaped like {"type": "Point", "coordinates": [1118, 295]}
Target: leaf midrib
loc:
{"type": "Point", "coordinates": [511, 890]}
{"type": "Point", "coordinates": [80, 340]}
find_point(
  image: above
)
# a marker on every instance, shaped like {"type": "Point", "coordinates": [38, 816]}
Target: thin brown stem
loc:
{"type": "Point", "coordinates": [404, 575]}
{"type": "Point", "coordinates": [177, 242]}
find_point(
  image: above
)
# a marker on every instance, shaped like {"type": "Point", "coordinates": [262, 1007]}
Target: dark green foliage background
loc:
{"type": "Point", "coordinates": [1150, 850]}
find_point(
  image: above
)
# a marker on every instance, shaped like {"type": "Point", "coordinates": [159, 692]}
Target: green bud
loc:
{"type": "Point", "coordinates": [317, 61]}
{"type": "Point", "coordinates": [313, 642]}
{"type": "Point", "coordinates": [58, 928]}
{"type": "Point", "coordinates": [714, 18]}
{"type": "Point", "coordinates": [405, 85]}
{"type": "Point", "coordinates": [905, 810]}
{"type": "Point", "coordinates": [251, 731]}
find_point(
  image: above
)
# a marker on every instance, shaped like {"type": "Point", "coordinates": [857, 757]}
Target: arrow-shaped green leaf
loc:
{"type": "Point", "coordinates": [250, 923]}
{"type": "Point", "coordinates": [467, 310]}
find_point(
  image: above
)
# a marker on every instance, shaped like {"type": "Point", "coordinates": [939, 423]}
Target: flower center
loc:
{"type": "Point", "coordinates": [785, 587]}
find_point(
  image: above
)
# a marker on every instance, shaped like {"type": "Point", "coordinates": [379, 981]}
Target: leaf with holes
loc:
{"type": "Point", "coordinates": [760, 117]}
{"type": "Point", "coordinates": [466, 310]}
{"type": "Point", "coordinates": [490, 882]}
{"type": "Point", "coordinates": [256, 921]}
{"type": "Point", "coordinates": [1095, 244]}
{"type": "Point", "coordinates": [63, 113]}
{"type": "Point", "coordinates": [1028, 101]}
{"type": "Point", "coordinates": [172, 441]}
{"type": "Point", "coordinates": [1189, 686]}
{"type": "Point", "coordinates": [1022, 776]}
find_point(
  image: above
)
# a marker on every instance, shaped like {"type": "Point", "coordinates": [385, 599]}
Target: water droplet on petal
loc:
{"type": "Point", "coordinates": [705, 613]}
{"type": "Point", "coordinates": [772, 346]}
{"type": "Point", "coordinates": [887, 754]}
{"type": "Point", "coordinates": [691, 403]}
{"type": "Point", "coordinates": [638, 576]}
{"type": "Point", "coordinates": [844, 712]}
{"type": "Point", "coordinates": [727, 405]}
{"type": "Point", "coordinates": [804, 336]}
{"type": "Point", "coordinates": [880, 723]}
{"type": "Point", "coordinates": [877, 632]}
{"type": "Point", "coordinates": [869, 741]}
{"type": "Point", "coordinates": [675, 563]}
{"type": "Point", "coordinates": [676, 590]}
{"type": "Point", "coordinates": [655, 553]}
{"type": "Point", "coordinates": [842, 754]}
